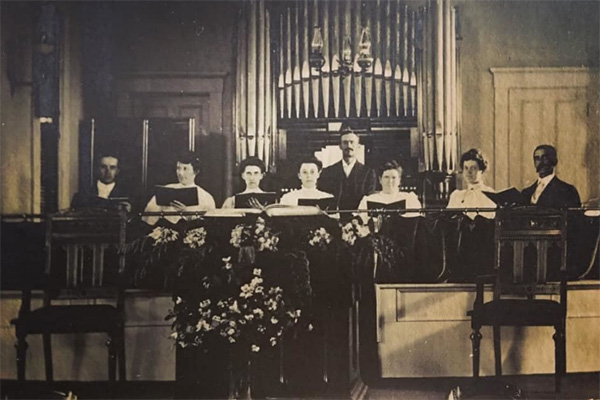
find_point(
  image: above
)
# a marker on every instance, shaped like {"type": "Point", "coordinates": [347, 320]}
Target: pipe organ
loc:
{"type": "Point", "coordinates": [387, 62]}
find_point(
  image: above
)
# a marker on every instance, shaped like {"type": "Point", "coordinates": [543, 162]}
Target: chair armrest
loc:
{"type": "Point", "coordinates": [480, 281]}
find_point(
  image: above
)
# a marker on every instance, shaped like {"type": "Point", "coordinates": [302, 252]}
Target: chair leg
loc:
{"type": "Point", "coordinates": [560, 356]}
{"type": "Point", "coordinates": [112, 364]}
{"type": "Point", "coordinates": [497, 350]}
{"type": "Point", "coordinates": [48, 356]}
{"type": "Point", "coordinates": [476, 340]}
{"type": "Point", "coordinates": [121, 357]}
{"type": "Point", "coordinates": [21, 346]}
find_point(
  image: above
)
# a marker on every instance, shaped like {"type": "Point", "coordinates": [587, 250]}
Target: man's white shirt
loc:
{"type": "Point", "coordinates": [104, 189]}
{"type": "Point", "coordinates": [348, 167]}
{"type": "Point", "coordinates": [542, 183]}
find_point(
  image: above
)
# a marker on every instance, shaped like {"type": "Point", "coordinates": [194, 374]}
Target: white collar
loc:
{"type": "Point", "coordinates": [101, 184]}
{"type": "Point", "coordinates": [476, 186]}
{"type": "Point", "coordinates": [257, 190]}
{"type": "Point", "coordinates": [348, 165]}
{"type": "Point", "coordinates": [545, 180]}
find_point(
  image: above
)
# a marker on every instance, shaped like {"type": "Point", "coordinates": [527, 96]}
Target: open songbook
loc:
{"type": "Point", "coordinates": [186, 195]}
{"type": "Point", "coordinates": [328, 203]}
{"type": "Point", "coordinates": [397, 205]}
{"type": "Point", "coordinates": [506, 198]}
{"type": "Point", "coordinates": [243, 200]}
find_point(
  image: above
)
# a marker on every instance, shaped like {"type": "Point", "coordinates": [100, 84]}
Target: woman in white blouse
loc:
{"type": "Point", "coordinates": [188, 167]}
{"type": "Point", "coordinates": [473, 165]}
{"type": "Point", "coordinates": [390, 177]}
{"type": "Point", "coordinates": [252, 170]}
{"type": "Point", "coordinates": [308, 173]}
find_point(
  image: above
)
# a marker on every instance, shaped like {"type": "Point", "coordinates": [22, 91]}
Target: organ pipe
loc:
{"type": "Point", "coordinates": [411, 70]}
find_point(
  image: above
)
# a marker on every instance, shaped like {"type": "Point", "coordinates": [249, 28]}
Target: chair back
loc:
{"type": "Point", "coordinates": [85, 254]}
{"type": "Point", "coordinates": [530, 252]}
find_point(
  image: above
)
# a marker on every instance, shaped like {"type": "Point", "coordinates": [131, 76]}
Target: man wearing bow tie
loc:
{"type": "Point", "coordinates": [548, 190]}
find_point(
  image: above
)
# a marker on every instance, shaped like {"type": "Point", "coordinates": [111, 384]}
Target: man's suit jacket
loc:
{"type": "Point", "coordinates": [557, 194]}
{"type": "Point", "coordinates": [89, 197]}
{"type": "Point", "coordinates": [361, 182]}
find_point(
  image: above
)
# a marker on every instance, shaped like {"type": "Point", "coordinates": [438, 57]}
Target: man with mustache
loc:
{"type": "Point", "coordinates": [348, 180]}
{"type": "Point", "coordinates": [548, 190]}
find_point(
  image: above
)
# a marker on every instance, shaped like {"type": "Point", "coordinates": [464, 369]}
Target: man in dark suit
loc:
{"type": "Point", "coordinates": [548, 190]}
{"type": "Point", "coordinates": [348, 180]}
{"type": "Point", "coordinates": [105, 188]}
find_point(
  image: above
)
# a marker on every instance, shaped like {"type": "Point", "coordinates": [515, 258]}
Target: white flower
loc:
{"type": "Point", "coordinates": [236, 236]}
{"type": "Point", "coordinates": [255, 348]}
{"type": "Point", "coordinates": [195, 238]}
{"type": "Point", "coordinates": [231, 331]}
{"type": "Point", "coordinates": [227, 261]}
{"type": "Point", "coordinates": [178, 300]}
{"type": "Point", "coordinates": [273, 341]}
{"type": "Point", "coordinates": [163, 236]}
{"type": "Point", "coordinates": [173, 335]}
{"type": "Point", "coordinates": [363, 231]}
{"type": "Point", "coordinates": [234, 307]}
{"type": "Point", "coordinates": [310, 327]}
{"type": "Point", "coordinates": [259, 313]}
{"type": "Point", "coordinates": [274, 320]}
{"type": "Point", "coordinates": [204, 303]}
{"type": "Point", "coordinates": [257, 271]}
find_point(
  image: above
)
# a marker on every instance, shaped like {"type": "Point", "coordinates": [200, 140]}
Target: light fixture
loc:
{"type": "Point", "coordinates": [345, 66]}
{"type": "Point", "coordinates": [315, 58]}
{"type": "Point", "coordinates": [365, 59]}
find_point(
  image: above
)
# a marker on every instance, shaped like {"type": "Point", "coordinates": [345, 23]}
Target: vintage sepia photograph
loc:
{"type": "Point", "coordinates": [300, 199]}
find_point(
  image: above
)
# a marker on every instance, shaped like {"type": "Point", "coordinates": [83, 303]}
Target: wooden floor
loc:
{"type": "Point", "coordinates": [576, 386]}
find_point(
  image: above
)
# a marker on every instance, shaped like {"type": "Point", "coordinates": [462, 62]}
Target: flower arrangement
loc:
{"type": "Point", "coordinates": [195, 238]}
{"type": "Point", "coordinates": [258, 235]}
{"type": "Point", "coordinates": [162, 236]}
{"type": "Point", "coordinates": [238, 306]}
{"type": "Point", "coordinates": [319, 238]}
{"type": "Point", "coordinates": [353, 231]}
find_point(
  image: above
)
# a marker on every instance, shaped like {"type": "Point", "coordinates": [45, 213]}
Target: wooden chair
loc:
{"type": "Point", "coordinates": [84, 262]}
{"type": "Point", "coordinates": [530, 260]}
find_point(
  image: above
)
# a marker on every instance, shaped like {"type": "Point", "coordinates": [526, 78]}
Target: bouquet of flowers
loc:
{"type": "Point", "coordinates": [354, 230]}
{"type": "Point", "coordinates": [258, 235]}
{"type": "Point", "coordinates": [237, 305]}
{"type": "Point", "coordinates": [319, 238]}
{"type": "Point", "coordinates": [165, 252]}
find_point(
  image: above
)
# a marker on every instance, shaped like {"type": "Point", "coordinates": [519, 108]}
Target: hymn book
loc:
{"type": "Point", "coordinates": [397, 205]}
{"type": "Point", "coordinates": [506, 198]}
{"type": "Point", "coordinates": [325, 204]}
{"type": "Point", "coordinates": [166, 195]}
{"type": "Point", "coordinates": [242, 200]}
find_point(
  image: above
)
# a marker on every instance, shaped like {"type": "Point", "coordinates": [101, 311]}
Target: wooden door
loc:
{"type": "Point", "coordinates": [547, 106]}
